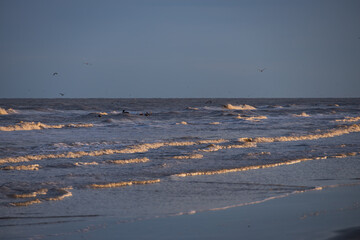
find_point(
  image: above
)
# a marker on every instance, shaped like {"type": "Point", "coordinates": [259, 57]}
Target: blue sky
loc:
{"type": "Point", "coordinates": [173, 48]}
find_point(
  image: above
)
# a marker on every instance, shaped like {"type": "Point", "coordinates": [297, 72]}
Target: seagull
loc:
{"type": "Point", "coordinates": [55, 73]}
{"type": "Point", "coordinates": [261, 70]}
{"type": "Point", "coordinates": [62, 94]}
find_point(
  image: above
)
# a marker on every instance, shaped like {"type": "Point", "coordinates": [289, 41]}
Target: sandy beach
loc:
{"type": "Point", "coordinates": [332, 213]}
{"type": "Point", "coordinates": [328, 214]}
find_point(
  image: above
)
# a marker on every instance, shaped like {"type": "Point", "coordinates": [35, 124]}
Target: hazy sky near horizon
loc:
{"type": "Point", "coordinates": [180, 48]}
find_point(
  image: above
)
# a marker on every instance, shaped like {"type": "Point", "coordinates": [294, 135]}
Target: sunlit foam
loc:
{"type": "Point", "coordinates": [303, 114]}
{"type": "Point", "coordinates": [239, 107]}
{"type": "Point", "coordinates": [27, 126]}
{"type": "Point", "coordinates": [6, 112]}
{"type": "Point", "coordinates": [123, 184]}
{"type": "Point", "coordinates": [33, 167]}
{"type": "Point", "coordinates": [214, 147]}
{"type": "Point", "coordinates": [30, 195]}
{"type": "Point", "coordinates": [26, 203]}
{"type": "Point", "coordinates": [85, 163]}
{"type": "Point", "coordinates": [251, 118]}
{"type": "Point", "coordinates": [349, 119]}
{"type": "Point", "coordinates": [191, 156]}
{"type": "Point", "coordinates": [328, 134]}
{"type": "Point", "coordinates": [135, 160]}
{"type": "Point", "coordinates": [182, 123]}
{"type": "Point", "coordinates": [255, 167]}
{"type": "Point", "coordinates": [63, 193]}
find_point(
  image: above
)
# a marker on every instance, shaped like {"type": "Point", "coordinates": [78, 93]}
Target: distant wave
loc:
{"type": "Point", "coordinates": [349, 119]}
{"type": "Point", "coordinates": [27, 126]}
{"type": "Point", "coordinates": [6, 112]}
{"type": "Point", "coordinates": [251, 118]}
{"type": "Point", "coordinates": [240, 107]}
{"type": "Point", "coordinates": [303, 114]}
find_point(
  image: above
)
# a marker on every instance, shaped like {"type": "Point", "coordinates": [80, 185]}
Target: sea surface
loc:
{"type": "Point", "coordinates": [70, 161]}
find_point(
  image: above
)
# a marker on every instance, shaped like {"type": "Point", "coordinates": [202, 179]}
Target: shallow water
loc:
{"type": "Point", "coordinates": [85, 157]}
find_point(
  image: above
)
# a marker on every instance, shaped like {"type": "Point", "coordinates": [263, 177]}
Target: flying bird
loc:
{"type": "Point", "coordinates": [55, 73]}
{"type": "Point", "coordinates": [62, 94]}
{"type": "Point", "coordinates": [261, 70]}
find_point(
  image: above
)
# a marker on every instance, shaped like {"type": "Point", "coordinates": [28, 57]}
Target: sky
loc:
{"type": "Point", "coordinates": [179, 48]}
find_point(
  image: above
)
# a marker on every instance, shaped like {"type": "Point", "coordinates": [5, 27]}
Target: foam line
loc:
{"type": "Point", "coordinates": [123, 184]}
{"type": "Point", "coordinates": [271, 165]}
{"type": "Point", "coordinates": [28, 126]}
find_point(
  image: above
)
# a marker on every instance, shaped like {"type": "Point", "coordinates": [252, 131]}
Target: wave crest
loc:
{"type": "Point", "coordinates": [239, 107]}
{"type": "Point", "coordinates": [6, 112]}
{"type": "Point", "coordinates": [27, 126]}
{"type": "Point", "coordinates": [123, 184]}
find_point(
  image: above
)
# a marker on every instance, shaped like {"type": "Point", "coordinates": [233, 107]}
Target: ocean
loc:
{"type": "Point", "coordinates": [67, 162]}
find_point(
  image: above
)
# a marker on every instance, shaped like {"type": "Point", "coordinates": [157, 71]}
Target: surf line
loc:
{"type": "Point", "coordinates": [270, 165]}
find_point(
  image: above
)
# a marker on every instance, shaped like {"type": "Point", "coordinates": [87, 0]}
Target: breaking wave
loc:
{"type": "Point", "coordinates": [6, 112]}
{"type": "Point", "coordinates": [330, 133]}
{"type": "Point", "coordinates": [214, 147]}
{"type": "Point", "coordinates": [270, 165]}
{"type": "Point", "coordinates": [135, 160]}
{"type": "Point", "coordinates": [123, 184]}
{"type": "Point", "coordinates": [33, 167]}
{"type": "Point", "coordinates": [30, 195]}
{"type": "Point", "coordinates": [349, 119]}
{"type": "Point", "coordinates": [141, 148]}
{"type": "Point", "coordinates": [239, 107]}
{"type": "Point", "coordinates": [251, 118]}
{"type": "Point", "coordinates": [85, 163]}
{"type": "Point", "coordinates": [191, 156]}
{"type": "Point", "coordinates": [27, 126]}
{"type": "Point", "coordinates": [303, 114]}
{"type": "Point", "coordinates": [60, 194]}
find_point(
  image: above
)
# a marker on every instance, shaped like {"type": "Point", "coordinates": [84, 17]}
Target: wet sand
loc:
{"type": "Point", "coordinates": [332, 213]}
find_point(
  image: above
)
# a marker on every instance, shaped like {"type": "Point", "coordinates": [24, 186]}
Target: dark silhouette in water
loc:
{"type": "Point", "coordinates": [125, 112]}
{"type": "Point", "coordinates": [55, 73]}
{"type": "Point", "coordinates": [61, 94]}
{"type": "Point", "coordinates": [145, 114]}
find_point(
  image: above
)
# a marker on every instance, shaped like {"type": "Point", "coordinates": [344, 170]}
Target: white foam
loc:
{"type": "Point", "coordinates": [7, 111]}
{"type": "Point", "coordinates": [239, 107]}
{"type": "Point", "coordinates": [27, 126]}
{"type": "Point", "coordinates": [327, 134]}
{"type": "Point", "coordinates": [251, 118]}
{"type": "Point", "coordinates": [349, 119]}
{"type": "Point", "coordinates": [303, 114]}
